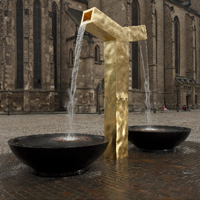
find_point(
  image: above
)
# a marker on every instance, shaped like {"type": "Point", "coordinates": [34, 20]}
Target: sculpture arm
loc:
{"type": "Point", "coordinates": [136, 33]}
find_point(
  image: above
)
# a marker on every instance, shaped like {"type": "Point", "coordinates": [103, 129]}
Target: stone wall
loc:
{"type": "Point", "coordinates": [189, 48]}
{"type": "Point", "coordinates": [28, 95]}
{"type": "Point", "coordinates": [195, 5]}
{"type": "Point", "coordinates": [161, 56]}
{"type": "Point", "coordinates": [90, 73]}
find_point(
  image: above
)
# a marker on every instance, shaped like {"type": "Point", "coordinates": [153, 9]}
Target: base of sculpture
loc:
{"type": "Point", "coordinates": [157, 138]}
{"type": "Point", "coordinates": [156, 151]}
{"type": "Point", "coordinates": [54, 158]}
{"type": "Point", "coordinates": [62, 174]}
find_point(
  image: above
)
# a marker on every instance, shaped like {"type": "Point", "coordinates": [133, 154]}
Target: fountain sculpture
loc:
{"type": "Point", "coordinates": [116, 76]}
{"type": "Point", "coordinates": [61, 154]}
{"type": "Point", "coordinates": [155, 138]}
{"type": "Point", "coordinates": [52, 154]}
{"type": "Point", "coordinates": [48, 156]}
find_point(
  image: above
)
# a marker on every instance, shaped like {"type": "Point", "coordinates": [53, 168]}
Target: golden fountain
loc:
{"type": "Point", "coordinates": [116, 76]}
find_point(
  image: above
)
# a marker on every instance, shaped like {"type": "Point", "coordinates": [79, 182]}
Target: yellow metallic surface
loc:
{"type": "Point", "coordinates": [110, 97]}
{"type": "Point", "coordinates": [116, 76]}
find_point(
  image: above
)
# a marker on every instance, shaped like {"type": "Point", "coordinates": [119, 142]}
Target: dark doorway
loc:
{"type": "Point", "coordinates": [187, 100]}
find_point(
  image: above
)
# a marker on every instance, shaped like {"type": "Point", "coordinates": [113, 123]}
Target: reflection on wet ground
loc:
{"type": "Point", "coordinates": [141, 176]}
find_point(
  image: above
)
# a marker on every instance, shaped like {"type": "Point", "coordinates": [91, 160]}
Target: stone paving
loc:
{"type": "Point", "coordinates": [141, 176]}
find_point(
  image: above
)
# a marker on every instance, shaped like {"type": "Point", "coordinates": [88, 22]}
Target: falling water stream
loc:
{"type": "Point", "coordinates": [145, 68]}
{"type": "Point", "coordinates": [72, 91]}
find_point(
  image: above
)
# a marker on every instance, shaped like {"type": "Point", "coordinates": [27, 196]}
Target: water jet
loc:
{"type": "Point", "coordinates": [153, 138]}
{"type": "Point", "coordinates": [54, 155]}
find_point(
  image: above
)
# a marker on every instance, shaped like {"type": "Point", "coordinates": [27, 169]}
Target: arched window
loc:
{"type": "Point", "coordinates": [71, 59]}
{"type": "Point", "coordinates": [37, 43]}
{"type": "Point", "coordinates": [135, 56]}
{"type": "Point", "coordinates": [97, 53]}
{"type": "Point", "coordinates": [195, 38]}
{"type": "Point", "coordinates": [54, 34]}
{"type": "Point", "coordinates": [177, 45]}
{"type": "Point", "coordinates": [20, 47]}
{"type": "Point", "coordinates": [156, 24]}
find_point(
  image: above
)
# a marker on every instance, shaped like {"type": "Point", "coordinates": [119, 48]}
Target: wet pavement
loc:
{"type": "Point", "coordinates": [141, 176]}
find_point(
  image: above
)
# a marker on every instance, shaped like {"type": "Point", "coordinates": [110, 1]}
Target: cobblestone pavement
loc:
{"type": "Point", "coordinates": [141, 176]}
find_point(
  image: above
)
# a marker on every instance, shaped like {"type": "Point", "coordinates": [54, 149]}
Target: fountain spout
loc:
{"type": "Point", "coordinates": [116, 76]}
{"type": "Point", "coordinates": [103, 27]}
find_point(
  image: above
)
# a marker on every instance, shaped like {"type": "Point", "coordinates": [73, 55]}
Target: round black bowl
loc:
{"type": "Point", "coordinates": [55, 158]}
{"type": "Point", "coordinates": [162, 138]}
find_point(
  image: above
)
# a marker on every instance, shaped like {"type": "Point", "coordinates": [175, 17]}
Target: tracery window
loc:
{"type": "Point", "coordinates": [37, 43]}
{"type": "Point", "coordinates": [54, 34]}
{"type": "Point", "coordinates": [177, 45]}
{"type": "Point", "coordinates": [156, 24]}
{"type": "Point", "coordinates": [19, 38]}
{"type": "Point", "coordinates": [97, 53]}
{"type": "Point", "coordinates": [195, 38]}
{"type": "Point", "coordinates": [135, 55]}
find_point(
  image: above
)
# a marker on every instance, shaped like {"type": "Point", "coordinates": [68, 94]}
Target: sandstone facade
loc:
{"type": "Point", "coordinates": [173, 54]}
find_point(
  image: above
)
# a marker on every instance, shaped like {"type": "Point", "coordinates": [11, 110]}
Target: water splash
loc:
{"type": "Point", "coordinates": [72, 91]}
{"type": "Point", "coordinates": [145, 68]}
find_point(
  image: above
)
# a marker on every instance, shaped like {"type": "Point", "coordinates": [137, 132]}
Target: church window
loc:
{"type": "Point", "coordinates": [177, 45]}
{"type": "Point", "coordinates": [156, 26]}
{"type": "Point", "coordinates": [19, 37]}
{"type": "Point", "coordinates": [195, 38]}
{"type": "Point", "coordinates": [135, 54]}
{"type": "Point", "coordinates": [97, 53]}
{"type": "Point", "coordinates": [37, 43]}
{"type": "Point", "coordinates": [54, 34]}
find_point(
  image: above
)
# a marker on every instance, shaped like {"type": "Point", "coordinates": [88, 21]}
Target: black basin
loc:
{"type": "Point", "coordinates": [47, 157]}
{"type": "Point", "coordinates": [162, 138]}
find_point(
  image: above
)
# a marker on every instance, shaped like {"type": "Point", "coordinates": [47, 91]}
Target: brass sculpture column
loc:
{"type": "Point", "coordinates": [116, 76]}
